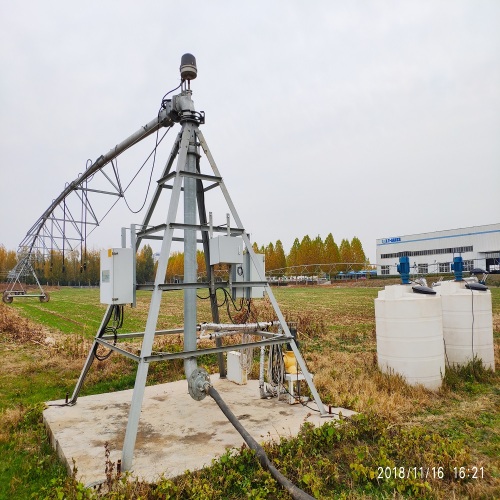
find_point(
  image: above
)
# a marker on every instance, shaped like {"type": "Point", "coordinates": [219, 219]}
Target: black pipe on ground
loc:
{"type": "Point", "coordinates": [295, 492]}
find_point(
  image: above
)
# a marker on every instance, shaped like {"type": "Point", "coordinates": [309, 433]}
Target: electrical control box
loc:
{"type": "Point", "coordinates": [117, 278]}
{"type": "Point", "coordinates": [248, 272]}
{"type": "Point", "coordinates": [226, 250]}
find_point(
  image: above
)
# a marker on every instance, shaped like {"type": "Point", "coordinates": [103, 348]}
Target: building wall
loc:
{"type": "Point", "coordinates": [479, 246]}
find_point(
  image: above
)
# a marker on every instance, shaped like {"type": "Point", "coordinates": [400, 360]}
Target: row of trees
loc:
{"type": "Point", "coordinates": [8, 259]}
{"type": "Point", "coordinates": [307, 252]}
{"type": "Point", "coordinates": [77, 268]}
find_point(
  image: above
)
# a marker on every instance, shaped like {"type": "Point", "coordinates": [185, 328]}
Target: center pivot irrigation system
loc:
{"type": "Point", "coordinates": [222, 245]}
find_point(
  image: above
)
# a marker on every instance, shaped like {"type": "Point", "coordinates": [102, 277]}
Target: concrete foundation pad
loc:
{"type": "Point", "coordinates": [176, 433]}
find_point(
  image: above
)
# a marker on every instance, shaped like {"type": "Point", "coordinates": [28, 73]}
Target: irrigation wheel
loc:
{"type": "Point", "coordinates": [45, 298]}
{"type": "Point", "coordinates": [7, 298]}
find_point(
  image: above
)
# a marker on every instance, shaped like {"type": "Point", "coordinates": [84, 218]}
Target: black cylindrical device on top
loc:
{"type": "Point", "coordinates": [188, 67]}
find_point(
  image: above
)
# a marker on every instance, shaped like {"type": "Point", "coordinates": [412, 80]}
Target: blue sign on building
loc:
{"type": "Point", "coordinates": [391, 240]}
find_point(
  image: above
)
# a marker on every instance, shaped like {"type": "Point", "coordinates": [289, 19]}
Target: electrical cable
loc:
{"type": "Point", "coordinates": [157, 142]}
{"type": "Point", "coordinates": [250, 314]}
{"type": "Point", "coordinates": [163, 102]}
{"type": "Point", "coordinates": [118, 315]}
{"type": "Point", "coordinates": [297, 398]}
{"type": "Point", "coordinates": [118, 199]}
{"type": "Point", "coordinates": [446, 354]}
{"type": "Point", "coordinates": [209, 296]}
{"type": "Point", "coordinates": [275, 370]}
{"type": "Point", "coordinates": [472, 332]}
{"type": "Point", "coordinates": [276, 375]}
{"type": "Point", "coordinates": [154, 151]}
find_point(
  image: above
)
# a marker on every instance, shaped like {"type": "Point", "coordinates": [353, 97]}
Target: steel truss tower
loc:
{"type": "Point", "coordinates": [187, 181]}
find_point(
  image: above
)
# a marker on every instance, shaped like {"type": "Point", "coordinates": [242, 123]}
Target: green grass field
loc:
{"type": "Point", "coordinates": [399, 426]}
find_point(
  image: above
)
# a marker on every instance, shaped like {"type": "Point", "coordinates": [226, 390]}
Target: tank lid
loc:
{"type": "Point", "coordinates": [423, 289]}
{"type": "Point", "coordinates": [476, 286]}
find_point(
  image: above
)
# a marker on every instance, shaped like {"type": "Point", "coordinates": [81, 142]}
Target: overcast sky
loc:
{"type": "Point", "coordinates": [362, 118]}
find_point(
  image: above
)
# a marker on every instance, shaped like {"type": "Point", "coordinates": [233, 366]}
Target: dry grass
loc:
{"type": "Point", "coordinates": [19, 329]}
{"type": "Point", "coordinates": [339, 345]}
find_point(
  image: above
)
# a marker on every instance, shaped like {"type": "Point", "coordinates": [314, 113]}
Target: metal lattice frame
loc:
{"type": "Point", "coordinates": [186, 179]}
{"type": "Point", "coordinates": [72, 216]}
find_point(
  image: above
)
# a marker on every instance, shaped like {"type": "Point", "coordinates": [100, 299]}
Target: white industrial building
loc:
{"type": "Point", "coordinates": [479, 246]}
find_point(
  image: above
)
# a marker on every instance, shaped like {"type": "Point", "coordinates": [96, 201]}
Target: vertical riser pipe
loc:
{"type": "Point", "coordinates": [190, 265]}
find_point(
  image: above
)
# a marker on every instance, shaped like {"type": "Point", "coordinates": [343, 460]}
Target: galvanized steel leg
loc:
{"type": "Point", "coordinates": [91, 355]}
{"type": "Point", "coordinates": [154, 308]}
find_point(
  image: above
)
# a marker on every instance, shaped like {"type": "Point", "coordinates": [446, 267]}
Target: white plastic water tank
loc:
{"type": "Point", "coordinates": [410, 336]}
{"type": "Point", "coordinates": [467, 324]}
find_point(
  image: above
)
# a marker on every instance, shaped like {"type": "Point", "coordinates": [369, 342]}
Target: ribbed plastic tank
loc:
{"type": "Point", "coordinates": [467, 324]}
{"type": "Point", "coordinates": [410, 336]}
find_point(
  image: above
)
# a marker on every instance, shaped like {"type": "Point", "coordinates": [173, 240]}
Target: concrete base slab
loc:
{"type": "Point", "coordinates": [176, 433]}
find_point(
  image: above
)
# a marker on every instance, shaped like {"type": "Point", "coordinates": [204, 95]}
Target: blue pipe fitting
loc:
{"type": "Point", "coordinates": [404, 269]}
{"type": "Point", "coordinates": [458, 268]}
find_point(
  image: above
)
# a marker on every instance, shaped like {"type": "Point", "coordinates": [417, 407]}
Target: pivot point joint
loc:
{"type": "Point", "coordinates": [198, 384]}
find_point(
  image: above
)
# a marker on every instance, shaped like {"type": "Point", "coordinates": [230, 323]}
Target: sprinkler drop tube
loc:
{"type": "Point", "coordinates": [295, 492]}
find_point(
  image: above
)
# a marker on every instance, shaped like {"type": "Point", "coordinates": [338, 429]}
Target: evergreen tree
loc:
{"type": "Point", "coordinates": [304, 256]}
{"type": "Point", "coordinates": [280, 257]}
{"type": "Point", "coordinates": [145, 265]}
{"type": "Point", "coordinates": [293, 257]}
{"type": "Point", "coordinates": [331, 251]}
{"type": "Point", "coordinates": [202, 265]}
{"type": "Point", "coordinates": [317, 251]}
{"type": "Point", "coordinates": [92, 273]}
{"type": "Point", "coordinates": [270, 258]}
{"type": "Point", "coordinates": [345, 255]}
{"type": "Point", "coordinates": [175, 268]}
{"type": "Point", "coordinates": [358, 255]}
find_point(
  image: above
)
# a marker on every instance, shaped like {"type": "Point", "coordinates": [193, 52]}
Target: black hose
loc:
{"type": "Point", "coordinates": [295, 492]}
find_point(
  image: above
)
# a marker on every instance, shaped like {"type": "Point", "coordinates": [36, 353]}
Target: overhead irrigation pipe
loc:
{"type": "Point", "coordinates": [295, 492]}
{"type": "Point", "coordinates": [162, 120]}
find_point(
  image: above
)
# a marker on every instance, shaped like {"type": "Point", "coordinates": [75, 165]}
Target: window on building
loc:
{"type": "Point", "coordinates": [434, 251]}
{"type": "Point", "coordinates": [423, 268]}
{"type": "Point", "coordinates": [444, 267]}
{"type": "Point", "coordinates": [468, 265]}
{"type": "Point", "coordinates": [385, 270]}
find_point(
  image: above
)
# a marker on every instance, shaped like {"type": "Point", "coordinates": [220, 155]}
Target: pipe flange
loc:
{"type": "Point", "coordinates": [198, 382]}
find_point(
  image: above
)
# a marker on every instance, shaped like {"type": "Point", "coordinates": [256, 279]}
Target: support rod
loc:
{"type": "Point", "coordinates": [202, 214]}
{"type": "Point", "coordinates": [154, 308]}
{"type": "Point", "coordinates": [91, 355]}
